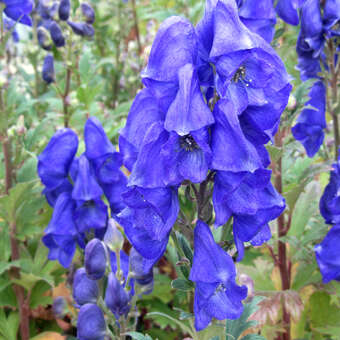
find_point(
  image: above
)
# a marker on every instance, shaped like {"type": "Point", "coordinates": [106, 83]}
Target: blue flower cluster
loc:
{"type": "Point", "coordinates": [76, 186]}
{"type": "Point", "coordinates": [213, 98]}
{"type": "Point", "coordinates": [50, 31]}
{"type": "Point", "coordinates": [327, 252]}
{"type": "Point", "coordinates": [318, 25]}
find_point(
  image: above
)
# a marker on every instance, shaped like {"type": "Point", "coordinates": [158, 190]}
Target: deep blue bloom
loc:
{"type": "Point", "coordinates": [312, 121]}
{"type": "Point", "coordinates": [48, 69]}
{"type": "Point", "coordinates": [287, 10]}
{"type": "Point", "coordinates": [19, 9]}
{"type": "Point", "coordinates": [252, 201]}
{"type": "Point", "coordinates": [328, 256]}
{"type": "Point", "coordinates": [44, 38]}
{"type": "Point", "coordinates": [88, 12]}
{"type": "Point", "coordinates": [259, 17]}
{"type": "Point", "coordinates": [91, 211]}
{"type": "Point", "coordinates": [95, 259]}
{"type": "Point", "coordinates": [56, 34]}
{"type": "Point", "coordinates": [149, 218]}
{"type": "Point", "coordinates": [82, 28]}
{"type": "Point", "coordinates": [64, 9]}
{"type": "Point", "coordinates": [91, 323]}
{"type": "Point", "coordinates": [61, 234]}
{"type": "Point", "coordinates": [84, 290]}
{"type": "Point", "coordinates": [330, 200]}
{"type": "Point", "coordinates": [117, 297]}
{"type": "Point", "coordinates": [216, 293]}
{"type": "Point", "coordinates": [106, 163]}
{"type": "Point", "coordinates": [55, 161]}
{"type": "Point", "coordinates": [142, 271]}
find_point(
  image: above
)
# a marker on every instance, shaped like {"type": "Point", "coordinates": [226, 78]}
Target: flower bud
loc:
{"type": "Point", "coordinates": [91, 323]}
{"type": "Point", "coordinates": [116, 297]}
{"type": "Point", "coordinates": [82, 28]}
{"type": "Point", "coordinates": [64, 10]}
{"type": "Point", "coordinates": [59, 307]}
{"type": "Point", "coordinates": [95, 259]}
{"type": "Point", "coordinates": [48, 69]}
{"type": "Point", "coordinates": [57, 34]}
{"type": "Point", "coordinates": [113, 238]}
{"type": "Point", "coordinates": [142, 270]}
{"type": "Point", "coordinates": [85, 290]}
{"type": "Point", "coordinates": [88, 12]}
{"type": "Point", "coordinates": [44, 39]}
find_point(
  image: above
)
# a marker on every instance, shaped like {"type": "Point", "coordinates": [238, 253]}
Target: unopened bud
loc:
{"type": "Point", "coordinates": [88, 12]}
{"type": "Point", "coordinates": [113, 238]}
{"type": "Point", "coordinates": [291, 103]}
{"type": "Point", "coordinates": [44, 39]}
{"type": "Point", "coordinates": [57, 34]}
{"type": "Point", "coordinates": [95, 259]}
{"type": "Point", "coordinates": [82, 28]}
{"type": "Point", "coordinates": [48, 69]}
{"type": "Point", "coordinates": [64, 10]}
{"type": "Point", "coordinates": [20, 126]}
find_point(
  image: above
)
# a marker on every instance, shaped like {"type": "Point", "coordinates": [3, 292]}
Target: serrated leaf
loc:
{"type": "Point", "coordinates": [234, 328]}
{"type": "Point", "coordinates": [182, 284]}
{"type": "Point", "coordinates": [138, 336]}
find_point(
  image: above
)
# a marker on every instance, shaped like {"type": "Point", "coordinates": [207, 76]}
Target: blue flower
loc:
{"type": "Point", "coordinates": [19, 10]}
{"type": "Point", "coordinates": [91, 323]}
{"type": "Point", "coordinates": [55, 161]}
{"type": "Point", "coordinates": [85, 290]}
{"type": "Point", "coordinates": [216, 293]}
{"type": "Point", "coordinates": [88, 12]}
{"type": "Point", "coordinates": [312, 121]}
{"type": "Point", "coordinates": [64, 9]}
{"type": "Point", "coordinates": [106, 163]}
{"type": "Point", "coordinates": [117, 296]}
{"type": "Point", "coordinates": [251, 200]}
{"type": "Point", "coordinates": [61, 234]}
{"type": "Point", "coordinates": [48, 69]}
{"type": "Point", "coordinates": [142, 270]}
{"type": "Point", "coordinates": [82, 28]}
{"type": "Point", "coordinates": [328, 256]}
{"type": "Point", "coordinates": [149, 218]}
{"type": "Point", "coordinates": [95, 259]}
{"type": "Point", "coordinates": [287, 10]}
{"type": "Point", "coordinates": [329, 202]}
{"type": "Point", "coordinates": [259, 17]}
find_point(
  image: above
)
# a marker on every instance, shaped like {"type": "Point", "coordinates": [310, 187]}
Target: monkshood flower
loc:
{"type": "Point", "coordinates": [75, 188]}
{"type": "Point", "coordinates": [91, 323]}
{"type": "Point", "coordinates": [64, 10]}
{"type": "Point", "coordinates": [328, 256]}
{"type": "Point", "coordinates": [142, 271]}
{"type": "Point", "coordinates": [148, 219]}
{"type": "Point", "coordinates": [82, 28]}
{"type": "Point", "coordinates": [216, 293]}
{"type": "Point", "coordinates": [259, 17]}
{"type": "Point", "coordinates": [95, 259]}
{"type": "Point", "coordinates": [59, 307]}
{"type": "Point", "coordinates": [312, 121]}
{"type": "Point", "coordinates": [329, 202]}
{"type": "Point", "coordinates": [287, 10]}
{"type": "Point", "coordinates": [251, 200]}
{"type": "Point", "coordinates": [48, 69]}
{"type": "Point", "coordinates": [85, 290]}
{"type": "Point", "coordinates": [117, 297]}
{"type": "Point", "coordinates": [106, 163]}
{"type": "Point", "coordinates": [19, 10]}
{"type": "Point", "coordinates": [88, 12]}
{"type": "Point", "coordinates": [248, 70]}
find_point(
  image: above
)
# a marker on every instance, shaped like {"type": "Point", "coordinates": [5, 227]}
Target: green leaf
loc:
{"type": "Point", "coordinates": [274, 152]}
{"type": "Point", "coordinates": [9, 325]}
{"type": "Point", "coordinates": [138, 336]}
{"type": "Point", "coordinates": [234, 328]}
{"type": "Point", "coordinates": [182, 284]}
{"type": "Point", "coordinates": [185, 245]}
{"type": "Point", "coordinates": [253, 337]}
{"type": "Point", "coordinates": [4, 266]}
